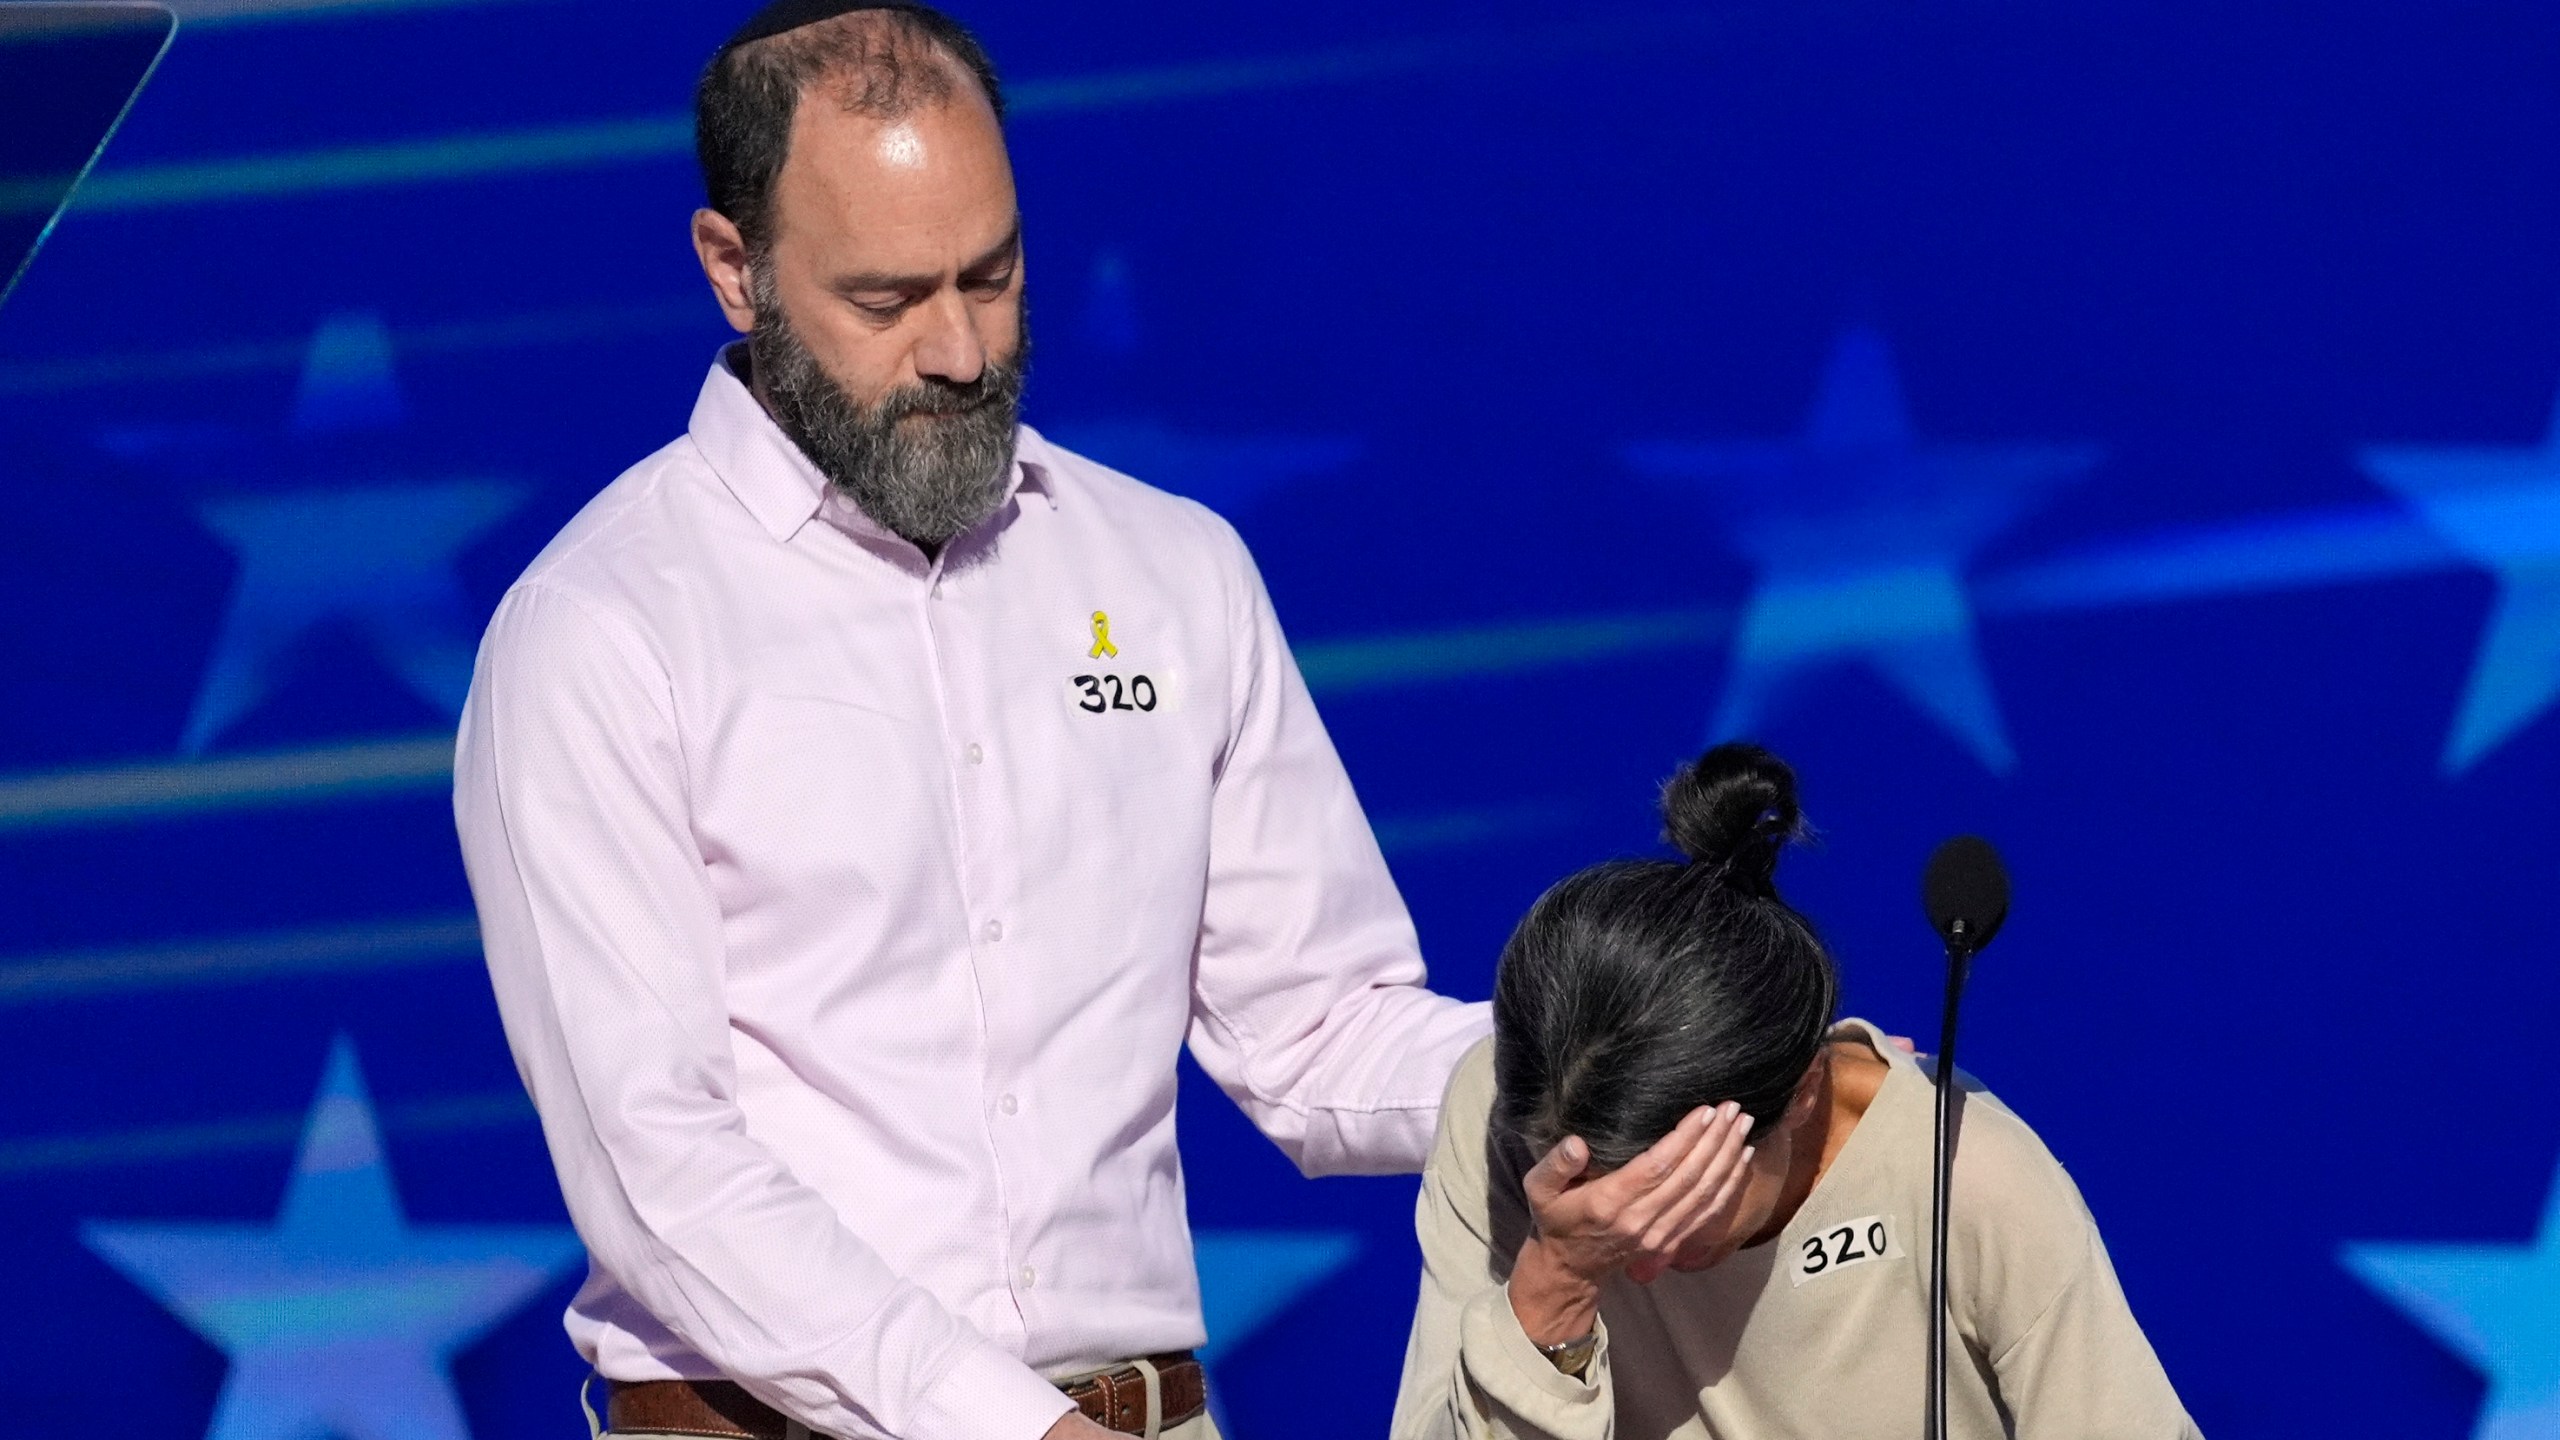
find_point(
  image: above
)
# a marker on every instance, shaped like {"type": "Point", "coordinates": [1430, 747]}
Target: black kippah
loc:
{"type": "Point", "coordinates": [784, 15]}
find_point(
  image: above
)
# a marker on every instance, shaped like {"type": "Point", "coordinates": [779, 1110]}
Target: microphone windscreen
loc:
{"type": "Point", "coordinates": [1966, 882]}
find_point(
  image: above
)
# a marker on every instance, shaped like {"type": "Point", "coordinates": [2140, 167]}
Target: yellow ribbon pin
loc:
{"type": "Point", "coordinates": [1102, 639]}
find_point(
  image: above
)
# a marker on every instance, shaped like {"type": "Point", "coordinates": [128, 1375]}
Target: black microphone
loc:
{"type": "Point", "coordinates": [1966, 894]}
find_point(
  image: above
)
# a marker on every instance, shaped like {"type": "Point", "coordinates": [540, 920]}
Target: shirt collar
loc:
{"type": "Point", "coordinates": [777, 484]}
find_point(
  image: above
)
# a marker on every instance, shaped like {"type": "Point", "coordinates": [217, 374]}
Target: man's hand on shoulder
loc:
{"type": "Point", "coordinates": [1073, 1426]}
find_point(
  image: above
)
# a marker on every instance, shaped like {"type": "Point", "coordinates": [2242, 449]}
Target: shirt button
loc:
{"type": "Point", "coordinates": [1030, 1277]}
{"type": "Point", "coordinates": [977, 755]}
{"type": "Point", "coordinates": [995, 931]}
{"type": "Point", "coordinates": [1008, 1105]}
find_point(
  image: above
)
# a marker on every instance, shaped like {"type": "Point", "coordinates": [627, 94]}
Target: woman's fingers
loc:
{"type": "Point", "coordinates": [1720, 1208]}
{"type": "Point", "coordinates": [1657, 1179]}
{"type": "Point", "coordinates": [1706, 1131]}
{"type": "Point", "coordinates": [1717, 1217]}
{"type": "Point", "coordinates": [1729, 1195]}
{"type": "Point", "coordinates": [1718, 1162]}
{"type": "Point", "coordinates": [1639, 1217]}
{"type": "Point", "coordinates": [1555, 1172]}
{"type": "Point", "coordinates": [1690, 1194]}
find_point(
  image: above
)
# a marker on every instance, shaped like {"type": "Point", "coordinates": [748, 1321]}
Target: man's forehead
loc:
{"type": "Point", "coordinates": [949, 151]}
{"type": "Point", "coordinates": [927, 189]}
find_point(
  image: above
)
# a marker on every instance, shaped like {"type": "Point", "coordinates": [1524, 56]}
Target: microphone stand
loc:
{"type": "Point", "coordinates": [1960, 951]}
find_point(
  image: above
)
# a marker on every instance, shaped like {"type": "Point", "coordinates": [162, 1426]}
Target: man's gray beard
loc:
{"type": "Point", "coordinates": [926, 480]}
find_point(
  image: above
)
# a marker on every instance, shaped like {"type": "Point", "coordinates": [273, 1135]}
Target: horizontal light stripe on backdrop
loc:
{"type": "Point", "coordinates": [568, 326]}
{"type": "Point", "coordinates": [197, 14]}
{"type": "Point", "coordinates": [589, 143]}
{"type": "Point", "coordinates": [422, 764]}
{"type": "Point", "coordinates": [2302, 550]}
{"type": "Point", "coordinates": [160, 790]}
{"type": "Point", "coordinates": [1422, 657]}
{"type": "Point", "coordinates": [232, 960]}
{"type": "Point", "coordinates": [160, 1144]}
{"type": "Point", "coordinates": [1456, 829]}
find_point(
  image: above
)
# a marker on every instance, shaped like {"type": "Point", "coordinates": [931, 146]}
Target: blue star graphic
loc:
{"type": "Point", "coordinates": [1247, 1277]}
{"type": "Point", "coordinates": [380, 557]}
{"type": "Point", "coordinates": [1861, 534]}
{"type": "Point", "coordinates": [348, 380]}
{"type": "Point", "coordinates": [1227, 473]}
{"type": "Point", "coordinates": [2497, 1306]}
{"type": "Point", "coordinates": [340, 1318]}
{"type": "Point", "coordinates": [2499, 506]}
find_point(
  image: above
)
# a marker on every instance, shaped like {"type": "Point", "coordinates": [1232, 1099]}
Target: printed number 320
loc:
{"type": "Point", "coordinates": [1106, 692]}
{"type": "Point", "coordinates": [1859, 1240]}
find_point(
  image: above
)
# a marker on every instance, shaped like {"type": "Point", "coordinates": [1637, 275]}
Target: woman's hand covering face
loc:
{"type": "Point", "coordinates": [1644, 1215]}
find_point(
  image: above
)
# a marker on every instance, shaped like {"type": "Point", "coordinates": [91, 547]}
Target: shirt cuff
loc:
{"type": "Point", "coordinates": [1500, 1357]}
{"type": "Point", "coordinates": [989, 1395]}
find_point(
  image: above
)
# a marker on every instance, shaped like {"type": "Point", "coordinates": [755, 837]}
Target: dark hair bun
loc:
{"type": "Point", "coordinates": [1733, 808]}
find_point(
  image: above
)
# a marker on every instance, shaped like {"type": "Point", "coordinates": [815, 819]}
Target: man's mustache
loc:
{"type": "Point", "coordinates": [943, 399]}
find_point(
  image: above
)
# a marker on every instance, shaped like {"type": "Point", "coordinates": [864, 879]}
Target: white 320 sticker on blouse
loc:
{"type": "Point", "coordinates": [1851, 1242]}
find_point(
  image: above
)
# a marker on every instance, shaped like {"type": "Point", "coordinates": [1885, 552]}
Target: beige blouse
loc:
{"type": "Point", "coordinates": [1820, 1333]}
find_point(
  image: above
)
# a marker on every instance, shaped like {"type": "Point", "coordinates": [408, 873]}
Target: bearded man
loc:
{"type": "Point", "coordinates": [865, 800]}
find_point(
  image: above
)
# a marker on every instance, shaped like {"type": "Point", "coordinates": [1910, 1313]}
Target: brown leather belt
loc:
{"type": "Point", "coordinates": [1117, 1399]}
{"type": "Point", "coordinates": [720, 1410]}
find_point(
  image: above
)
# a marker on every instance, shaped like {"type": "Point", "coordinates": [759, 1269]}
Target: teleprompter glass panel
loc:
{"type": "Point", "coordinates": [68, 72]}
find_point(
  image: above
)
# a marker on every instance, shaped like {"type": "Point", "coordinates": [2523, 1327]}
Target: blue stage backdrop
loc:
{"type": "Point", "coordinates": [2123, 429]}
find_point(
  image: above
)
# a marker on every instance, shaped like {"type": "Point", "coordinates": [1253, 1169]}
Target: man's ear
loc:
{"type": "Point", "coordinates": [723, 253]}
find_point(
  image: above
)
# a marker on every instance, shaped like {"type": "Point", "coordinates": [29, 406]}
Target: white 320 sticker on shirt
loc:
{"type": "Point", "coordinates": [1114, 690]}
{"type": "Point", "coordinates": [1113, 683]}
{"type": "Point", "coordinates": [1852, 1242]}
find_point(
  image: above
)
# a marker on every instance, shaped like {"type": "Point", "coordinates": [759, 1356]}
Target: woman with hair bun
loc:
{"type": "Point", "coordinates": [1671, 1197]}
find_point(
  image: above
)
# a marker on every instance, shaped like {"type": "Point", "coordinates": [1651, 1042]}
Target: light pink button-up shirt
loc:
{"type": "Point", "coordinates": [847, 911]}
